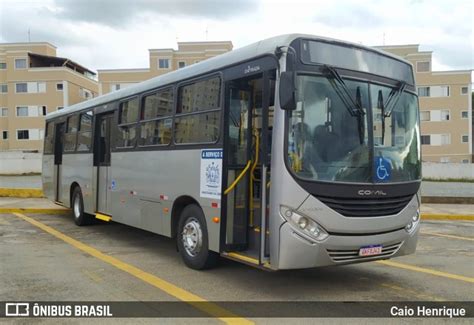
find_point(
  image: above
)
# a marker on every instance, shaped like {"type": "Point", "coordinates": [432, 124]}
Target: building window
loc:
{"type": "Point", "coordinates": [3, 112]}
{"type": "Point", "coordinates": [59, 86]}
{"type": "Point", "coordinates": [425, 115]}
{"type": "Point", "coordinates": [60, 108]}
{"type": "Point", "coordinates": [464, 90]}
{"type": "Point", "coordinates": [424, 91]}
{"type": "Point", "coordinates": [164, 63]}
{"type": "Point", "coordinates": [439, 91]}
{"type": "Point", "coordinates": [425, 139]}
{"type": "Point", "coordinates": [423, 66]}
{"type": "Point", "coordinates": [181, 64]}
{"type": "Point", "coordinates": [21, 87]}
{"type": "Point", "coordinates": [3, 88]}
{"type": "Point", "coordinates": [464, 114]}
{"type": "Point", "coordinates": [23, 134]}
{"type": "Point", "coordinates": [465, 139]}
{"type": "Point", "coordinates": [5, 135]}
{"type": "Point", "coordinates": [114, 87]}
{"type": "Point", "coordinates": [44, 110]}
{"type": "Point", "coordinates": [444, 115]}
{"type": "Point", "coordinates": [22, 111]}
{"type": "Point", "coordinates": [444, 160]}
{"type": "Point", "coordinates": [465, 161]}
{"type": "Point", "coordinates": [20, 63]}
{"type": "Point", "coordinates": [445, 139]}
{"type": "Point", "coordinates": [3, 65]}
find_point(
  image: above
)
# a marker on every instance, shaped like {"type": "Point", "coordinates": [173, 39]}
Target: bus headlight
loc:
{"type": "Point", "coordinates": [413, 222]}
{"type": "Point", "coordinates": [307, 225]}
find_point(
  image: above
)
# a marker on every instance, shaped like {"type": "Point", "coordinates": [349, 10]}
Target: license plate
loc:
{"type": "Point", "coordinates": [370, 250]}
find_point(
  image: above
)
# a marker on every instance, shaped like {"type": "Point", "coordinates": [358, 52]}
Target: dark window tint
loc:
{"type": "Point", "coordinates": [196, 128]}
{"type": "Point", "coordinates": [84, 138]}
{"type": "Point", "coordinates": [49, 138]}
{"type": "Point", "coordinates": [199, 96]}
{"type": "Point", "coordinates": [157, 105]}
{"type": "Point", "coordinates": [23, 134]}
{"type": "Point", "coordinates": [425, 139]}
{"type": "Point", "coordinates": [128, 111]}
{"type": "Point", "coordinates": [156, 132]}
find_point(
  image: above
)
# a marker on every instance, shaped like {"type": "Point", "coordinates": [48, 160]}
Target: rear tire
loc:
{"type": "Point", "coordinates": [193, 240]}
{"type": "Point", "coordinates": [77, 207]}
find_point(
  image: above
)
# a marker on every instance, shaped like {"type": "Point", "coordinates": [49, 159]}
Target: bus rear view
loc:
{"type": "Point", "coordinates": [351, 155]}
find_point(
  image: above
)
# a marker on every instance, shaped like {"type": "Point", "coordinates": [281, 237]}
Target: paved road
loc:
{"type": "Point", "coordinates": [35, 265]}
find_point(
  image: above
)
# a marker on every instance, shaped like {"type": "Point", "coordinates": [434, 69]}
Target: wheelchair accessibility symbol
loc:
{"type": "Point", "coordinates": [382, 169]}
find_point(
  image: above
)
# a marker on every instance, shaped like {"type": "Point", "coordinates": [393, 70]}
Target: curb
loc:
{"type": "Point", "coordinates": [21, 192]}
{"type": "Point", "coordinates": [430, 216]}
{"type": "Point", "coordinates": [35, 210]}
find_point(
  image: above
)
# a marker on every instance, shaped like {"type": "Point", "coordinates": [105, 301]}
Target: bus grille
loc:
{"type": "Point", "coordinates": [339, 256]}
{"type": "Point", "coordinates": [351, 207]}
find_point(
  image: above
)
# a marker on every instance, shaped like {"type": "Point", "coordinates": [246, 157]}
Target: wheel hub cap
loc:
{"type": "Point", "coordinates": [192, 237]}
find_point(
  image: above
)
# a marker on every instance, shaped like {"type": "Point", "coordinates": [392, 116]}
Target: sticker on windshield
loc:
{"type": "Point", "coordinates": [383, 169]}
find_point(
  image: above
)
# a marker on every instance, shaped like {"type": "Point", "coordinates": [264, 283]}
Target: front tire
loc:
{"type": "Point", "coordinates": [193, 240]}
{"type": "Point", "coordinates": [77, 207]}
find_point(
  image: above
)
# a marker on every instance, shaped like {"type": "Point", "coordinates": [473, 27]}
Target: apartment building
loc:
{"type": "Point", "coordinates": [161, 61]}
{"type": "Point", "coordinates": [34, 82]}
{"type": "Point", "coordinates": [445, 107]}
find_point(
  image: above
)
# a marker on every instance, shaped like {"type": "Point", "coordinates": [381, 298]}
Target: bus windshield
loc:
{"type": "Point", "coordinates": [328, 142]}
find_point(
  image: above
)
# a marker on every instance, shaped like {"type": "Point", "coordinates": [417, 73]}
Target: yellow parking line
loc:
{"type": "Point", "coordinates": [175, 291]}
{"type": "Point", "coordinates": [434, 216]}
{"type": "Point", "coordinates": [35, 210]}
{"type": "Point", "coordinates": [412, 292]}
{"type": "Point", "coordinates": [446, 235]}
{"type": "Point", "coordinates": [427, 271]}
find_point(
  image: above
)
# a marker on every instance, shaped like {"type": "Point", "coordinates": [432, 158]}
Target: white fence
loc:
{"type": "Point", "coordinates": [448, 170]}
{"type": "Point", "coordinates": [18, 162]}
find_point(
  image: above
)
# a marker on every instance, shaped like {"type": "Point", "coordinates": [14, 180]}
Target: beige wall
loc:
{"type": "Point", "coordinates": [456, 127]}
{"type": "Point", "coordinates": [188, 52]}
{"type": "Point", "coordinates": [52, 98]}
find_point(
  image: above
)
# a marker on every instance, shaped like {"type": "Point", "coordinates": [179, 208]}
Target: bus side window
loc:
{"type": "Point", "coordinates": [197, 117]}
{"type": "Point", "coordinates": [127, 124]}
{"type": "Point", "coordinates": [49, 138]}
{"type": "Point", "coordinates": [71, 132]}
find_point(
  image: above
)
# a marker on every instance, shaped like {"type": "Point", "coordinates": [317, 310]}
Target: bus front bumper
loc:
{"type": "Point", "coordinates": [297, 251]}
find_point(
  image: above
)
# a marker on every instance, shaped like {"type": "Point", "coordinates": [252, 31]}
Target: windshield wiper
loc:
{"type": "Point", "coordinates": [353, 106]}
{"type": "Point", "coordinates": [381, 105]}
{"type": "Point", "coordinates": [336, 81]}
{"type": "Point", "coordinates": [393, 98]}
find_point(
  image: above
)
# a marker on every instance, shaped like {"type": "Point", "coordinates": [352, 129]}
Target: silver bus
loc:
{"type": "Point", "coordinates": [294, 152]}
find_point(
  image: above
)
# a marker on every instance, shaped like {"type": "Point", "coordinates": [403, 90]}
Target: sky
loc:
{"type": "Point", "coordinates": [114, 34]}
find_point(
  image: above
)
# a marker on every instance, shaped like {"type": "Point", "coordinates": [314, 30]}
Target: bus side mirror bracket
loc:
{"type": "Point", "coordinates": [287, 91]}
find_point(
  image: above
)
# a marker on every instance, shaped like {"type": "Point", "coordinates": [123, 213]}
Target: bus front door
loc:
{"type": "Point", "coordinates": [246, 165]}
{"type": "Point", "coordinates": [102, 141]}
{"type": "Point", "coordinates": [58, 159]}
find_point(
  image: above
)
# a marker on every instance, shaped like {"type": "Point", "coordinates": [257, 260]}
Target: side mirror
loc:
{"type": "Point", "coordinates": [287, 91]}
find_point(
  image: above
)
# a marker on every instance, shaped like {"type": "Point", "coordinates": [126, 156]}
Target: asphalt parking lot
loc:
{"type": "Point", "coordinates": [46, 257]}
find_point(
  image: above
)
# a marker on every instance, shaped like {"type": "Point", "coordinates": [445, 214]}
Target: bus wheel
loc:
{"type": "Point", "coordinates": [193, 239]}
{"type": "Point", "coordinates": [77, 206]}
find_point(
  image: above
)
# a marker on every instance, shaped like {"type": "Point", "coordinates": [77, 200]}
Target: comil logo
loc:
{"type": "Point", "coordinates": [371, 192]}
{"type": "Point", "coordinates": [21, 309]}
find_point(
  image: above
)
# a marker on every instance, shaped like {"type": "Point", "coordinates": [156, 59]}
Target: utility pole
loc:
{"type": "Point", "coordinates": [29, 35]}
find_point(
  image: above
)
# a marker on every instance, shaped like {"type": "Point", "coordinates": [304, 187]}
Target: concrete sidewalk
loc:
{"type": "Point", "coordinates": [428, 211]}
